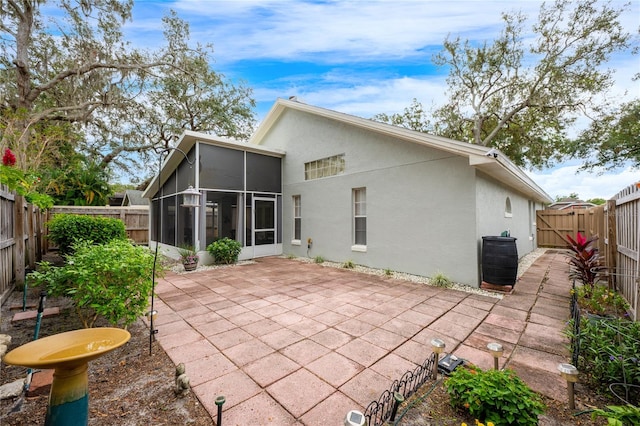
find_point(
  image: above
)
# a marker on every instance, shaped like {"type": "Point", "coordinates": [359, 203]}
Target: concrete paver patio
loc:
{"type": "Point", "coordinates": [293, 343]}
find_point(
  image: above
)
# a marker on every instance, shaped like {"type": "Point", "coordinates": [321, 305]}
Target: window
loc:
{"type": "Point", "coordinates": [507, 208]}
{"type": "Point", "coordinates": [297, 219]}
{"type": "Point", "coordinates": [360, 217]}
{"type": "Point", "coordinates": [325, 167]}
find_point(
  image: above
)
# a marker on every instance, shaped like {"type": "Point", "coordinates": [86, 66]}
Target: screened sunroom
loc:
{"type": "Point", "coordinates": [239, 188]}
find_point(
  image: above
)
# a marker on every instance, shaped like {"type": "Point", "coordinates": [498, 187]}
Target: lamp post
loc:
{"type": "Point", "coordinates": [496, 350]}
{"type": "Point", "coordinates": [437, 345]}
{"type": "Point", "coordinates": [570, 374]}
{"type": "Point", "coordinates": [190, 199]}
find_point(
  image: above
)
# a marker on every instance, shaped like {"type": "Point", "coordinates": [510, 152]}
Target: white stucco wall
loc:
{"type": "Point", "coordinates": [492, 217]}
{"type": "Point", "coordinates": [420, 201]}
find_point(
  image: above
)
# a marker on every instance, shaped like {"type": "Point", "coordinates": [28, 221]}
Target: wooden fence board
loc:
{"type": "Point", "coordinates": [626, 273]}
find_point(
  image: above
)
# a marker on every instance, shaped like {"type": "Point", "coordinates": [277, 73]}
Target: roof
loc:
{"type": "Point", "coordinates": [186, 141]}
{"type": "Point", "coordinates": [489, 161]}
{"type": "Point", "coordinates": [133, 197]}
{"type": "Point", "coordinates": [568, 205]}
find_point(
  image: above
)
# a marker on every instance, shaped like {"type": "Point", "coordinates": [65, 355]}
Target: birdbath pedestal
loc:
{"type": "Point", "coordinates": [68, 354]}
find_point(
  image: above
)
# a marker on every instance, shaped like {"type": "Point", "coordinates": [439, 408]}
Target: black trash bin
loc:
{"type": "Point", "coordinates": [499, 260]}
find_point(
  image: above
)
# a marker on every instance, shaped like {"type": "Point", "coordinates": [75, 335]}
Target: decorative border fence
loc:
{"type": "Point", "coordinates": [575, 318]}
{"type": "Point", "coordinates": [384, 408]}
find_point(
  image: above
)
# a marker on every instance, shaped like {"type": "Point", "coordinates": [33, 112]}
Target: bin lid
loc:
{"type": "Point", "coordinates": [497, 238]}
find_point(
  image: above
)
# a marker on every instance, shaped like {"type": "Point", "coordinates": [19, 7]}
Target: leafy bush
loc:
{"type": "Point", "coordinates": [318, 259]}
{"type": "Point", "coordinates": [112, 280]}
{"type": "Point", "coordinates": [67, 229]}
{"type": "Point", "coordinates": [494, 396]}
{"type": "Point", "coordinates": [609, 351]}
{"type": "Point", "coordinates": [225, 250]}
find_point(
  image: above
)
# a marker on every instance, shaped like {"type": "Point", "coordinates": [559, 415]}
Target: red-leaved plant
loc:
{"type": "Point", "coordinates": [584, 259]}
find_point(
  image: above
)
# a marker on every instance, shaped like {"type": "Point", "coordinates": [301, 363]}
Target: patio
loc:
{"type": "Point", "coordinates": [293, 343]}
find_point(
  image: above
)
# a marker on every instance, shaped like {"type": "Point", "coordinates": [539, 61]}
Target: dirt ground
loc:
{"type": "Point", "coordinates": [130, 387]}
{"type": "Point", "coordinates": [127, 386]}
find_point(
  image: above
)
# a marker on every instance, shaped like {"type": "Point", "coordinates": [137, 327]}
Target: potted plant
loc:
{"type": "Point", "coordinates": [188, 257]}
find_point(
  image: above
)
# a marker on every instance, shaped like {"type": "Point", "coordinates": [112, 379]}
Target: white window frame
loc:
{"type": "Point", "coordinates": [297, 216]}
{"type": "Point", "coordinates": [324, 167]}
{"type": "Point", "coordinates": [359, 212]}
{"type": "Point", "coordinates": [507, 208]}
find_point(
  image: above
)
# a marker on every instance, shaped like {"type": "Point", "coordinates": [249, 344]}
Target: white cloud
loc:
{"type": "Point", "coordinates": [339, 31]}
{"type": "Point", "coordinates": [565, 180]}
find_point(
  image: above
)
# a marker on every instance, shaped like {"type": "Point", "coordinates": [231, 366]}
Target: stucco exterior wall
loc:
{"type": "Point", "coordinates": [420, 201]}
{"type": "Point", "coordinates": [493, 217]}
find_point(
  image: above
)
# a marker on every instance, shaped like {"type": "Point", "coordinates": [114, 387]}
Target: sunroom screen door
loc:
{"type": "Point", "coordinates": [264, 227]}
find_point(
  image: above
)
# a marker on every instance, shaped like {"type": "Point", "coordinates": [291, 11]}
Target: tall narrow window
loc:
{"type": "Point", "coordinates": [360, 217]}
{"type": "Point", "coordinates": [297, 219]}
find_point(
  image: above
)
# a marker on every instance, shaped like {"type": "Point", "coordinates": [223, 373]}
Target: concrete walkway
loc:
{"type": "Point", "coordinates": [292, 343]}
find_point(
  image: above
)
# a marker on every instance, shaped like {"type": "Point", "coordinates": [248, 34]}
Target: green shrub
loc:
{"type": "Point", "coordinates": [111, 280]}
{"type": "Point", "coordinates": [348, 264]}
{"type": "Point", "coordinates": [318, 259]}
{"type": "Point", "coordinates": [67, 229]}
{"type": "Point", "coordinates": [497, 396]}
{"type": "Point", "coordinates": [225, 250]}
{"type": "Point", "coordinates": [609, 351]}
{"type": "Point", "coordinates": [388, 272]}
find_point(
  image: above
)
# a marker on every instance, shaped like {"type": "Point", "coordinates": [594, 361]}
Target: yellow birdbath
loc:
{"type": "Point", "coordinates": [68, 354]}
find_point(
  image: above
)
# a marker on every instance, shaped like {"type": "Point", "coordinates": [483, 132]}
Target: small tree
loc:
{"type": "Point", "coordinates": [111, 280]}
{"type": "Point", "coordinates": [521, 98]}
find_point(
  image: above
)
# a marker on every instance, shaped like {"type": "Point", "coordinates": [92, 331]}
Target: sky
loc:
{"type": "Point", "coordinates": [365, 57]}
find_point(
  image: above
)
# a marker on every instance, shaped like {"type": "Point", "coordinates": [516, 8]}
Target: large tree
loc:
{"type": "Point", "coordinates": [72, 77]}
{"type": "Point", "coordinates": [613, 140]}
{"type": "Point", "coordinates": [520, 95]}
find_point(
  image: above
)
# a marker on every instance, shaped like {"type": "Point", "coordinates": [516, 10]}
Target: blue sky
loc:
{"type": "Point", "coordinates": [363, 57]}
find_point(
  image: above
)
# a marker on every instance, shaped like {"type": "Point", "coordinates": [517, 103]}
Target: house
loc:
{"type": "Point", "coordinates": [133, 197]}
{"type": "Point", "coordinates": [570, 204]}
{"type": "Point", "coordinates": [315, 182]}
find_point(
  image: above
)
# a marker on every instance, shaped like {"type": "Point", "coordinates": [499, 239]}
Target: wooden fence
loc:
{"type": "Point", "coordinates": [553, 226]}
{"type": "Point", "coordinates": [23, 239]}
{"type": "Point", "coordinates": [617, 225]}
{"type": "Point", "coordinates": [135, 218]}
{"type": "Point", "coordinates": [623, 251]}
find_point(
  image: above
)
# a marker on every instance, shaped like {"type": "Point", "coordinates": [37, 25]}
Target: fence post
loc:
{"type": "Point", "coordinates": [18, 235]}
{"type": "Point", "coordinates": [31, 235]}
{"type": "Point", "coordinates": [611, 256]}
